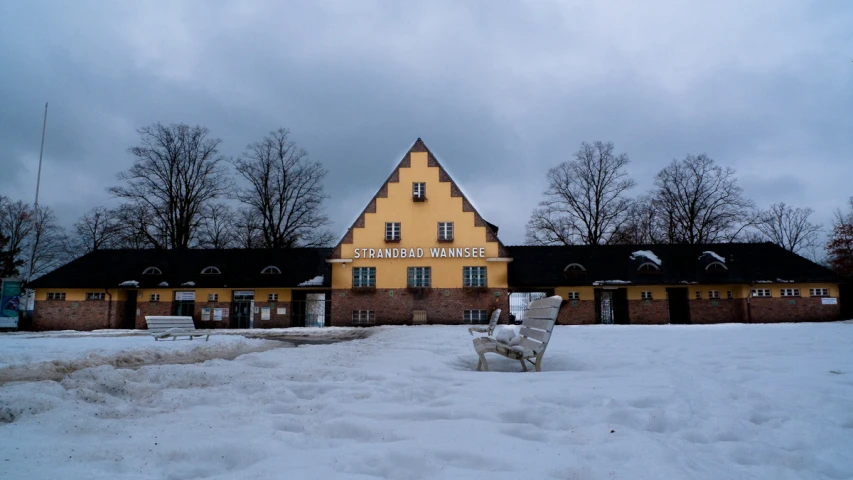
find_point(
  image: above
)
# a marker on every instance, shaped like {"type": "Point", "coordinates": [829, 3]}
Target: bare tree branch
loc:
{"type": "Point", "coordinates": [788, 227]}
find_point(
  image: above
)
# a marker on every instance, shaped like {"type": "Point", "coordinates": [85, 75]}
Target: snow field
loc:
{"type": "Point", "coordinates": [668, 402]}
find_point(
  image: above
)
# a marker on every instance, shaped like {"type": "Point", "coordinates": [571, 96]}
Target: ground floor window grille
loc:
{"type": "Point", "coordinates": [96, 296]}
{"type": "Point", "coordinates": [713, 294]}
{"type": "Point", "coordinates": [574, 296]}
{"type": "Point", "coordinates": [56, 295]}
{"type": "Point", "coordinates": [646, 295]}
{"type": "Point", "coordinates": [475, 316]}
{"type": "Point", "coordinates": [474, 276]}
{"type": "Point", "coordinates": [419, 276]}
{"type": "Point", "coordinates": [212, 297]}
{"type": "Point", "coordinates": [363, 317]}
{"type": "Point", "coordinates": [761, 292]}
{"type": "Point", "coordinates": [364, 277]}
{"type": "Point", "coordinates": [813, 292]}
{"type": "Point", "coordinates": [155, 297]}
{"type": "Point", "coordinates": [790, 292]}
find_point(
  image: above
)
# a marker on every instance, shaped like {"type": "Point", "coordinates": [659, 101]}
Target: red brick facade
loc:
{"type": "Point", "coordinates": [648, 312]}
{"type": "Point", "coordinates": [718, 311]}
{"type": "Point", "coordinates": [79, 315]}
{"type": "Point", "coordinates": [791, 309]}
{"type": "Point", "coordinates": [577, 312]}
{"type": "Point", "coordinates": [395, 306]}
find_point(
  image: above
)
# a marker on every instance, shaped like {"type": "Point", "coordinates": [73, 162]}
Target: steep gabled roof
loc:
{"type": "Point", "coordinates": [182, 269]}
{"type": "Point", "coordinates": [443, 176]}
{"type": "Point", "coordinates": [543, 266]}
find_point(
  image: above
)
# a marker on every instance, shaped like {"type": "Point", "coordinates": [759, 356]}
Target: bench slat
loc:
{"type": "Point", "coordinates": [540, 335]}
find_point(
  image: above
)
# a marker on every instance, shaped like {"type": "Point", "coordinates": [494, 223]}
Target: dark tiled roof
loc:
{"type": "Point", "coordinates": [535, 266]}
{"type": "Point", "coordinates": [240, 268]}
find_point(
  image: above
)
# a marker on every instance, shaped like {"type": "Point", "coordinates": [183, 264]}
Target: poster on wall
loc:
{"type": "Point", "coordinates": [265, 313]}
{"type": "Point", "coordinates": [205, 314]}
{"type": "Point", "coordinates": [217, 314]}
{"type": "Point", "coordinates": [10, 298]}
{"type": "Point", "coordinates": [281, 311]}
{"type": "Point", "coordinates": [829, 301]}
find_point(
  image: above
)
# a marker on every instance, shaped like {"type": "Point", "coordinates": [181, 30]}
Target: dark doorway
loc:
{"type": "Point", "coordinates": [611, 306]}
{"type": "Point", "coordinates": [130, 310]}
{"type": "Point", "coordinates": [845, 297]}
{"type": "Point", "coordinates": [243, 302]}
{"type": "Point", "coordinates": [679, 305]}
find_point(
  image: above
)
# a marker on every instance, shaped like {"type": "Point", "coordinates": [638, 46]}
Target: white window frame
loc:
{"type": "Point", "coordinates": [96, 296]}
{"type": "Point", "coordinates": [818, 292]}
{"type": "Point", "coordinates": [211, 270]}
{"type": "Point", "coordinates": [152, 271]}
{"type": "Point", "coordinates": [56, 296]}
{"type": "Point", "coordinates": [475, 317]}
{"type": "Point", "coordinates": [475, 277]}
{"type": "Point", "coordinates": [363, 317]}
{"type": "Point", "coordinates": [762, 293]}
{"type": "Point", "coordinates": [789, 292]}
{"type": "Point", "coordinates": [574, 296]}
{"type": "Point", "coordinates": [419, 190]}
{"type": "Point", "coordinates": [729, 295]}
{"type": "Point", "coordinates": [363, 277]}
{"type": "Point", "coordinates": [271, 270]}
{"type": "Point", "coordinates": [272, 297]}
{"type": "Point", "coordinates": [445, 231]}
{"type": "Point", "coordinates": [646, 296]}
{"type": "Point", "coordinates": [698, 294]}
{"type": "Point", "coordinates": [212, 297]}
{"type": "Point", "coordinates": [714, 294]}
{"type": "Point", "coordinates": [154, 298]}
{"type": "Point", "coordinates": [654, 267]}
{"type": "Point", "coordinates": [392, 231]}
{"type": "Point", "coordinates": [419, 277]}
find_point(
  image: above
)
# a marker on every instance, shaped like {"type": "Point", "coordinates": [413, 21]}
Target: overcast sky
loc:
{"type": "Point", "coordinates": [500, 91]}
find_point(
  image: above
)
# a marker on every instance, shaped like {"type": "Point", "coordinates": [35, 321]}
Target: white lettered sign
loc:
{"type": "Point", "coordinates": [185, 296]}
{"type": "Point", "coordinates": [433, 252]}
{"type": "Point", "coordinates": [829, 301]}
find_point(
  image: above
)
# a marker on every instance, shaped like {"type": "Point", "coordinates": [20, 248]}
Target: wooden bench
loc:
{"type": "Point", "coordinates": [535, 332]}
{"type": "Point", "coordinates": [490, 328]}
{"type": "Point", "coordinates": [173, 327]}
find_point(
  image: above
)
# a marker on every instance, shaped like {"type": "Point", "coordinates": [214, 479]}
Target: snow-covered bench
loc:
{"type": "Point", "coordinates": [490, 328]}
{"type": "Point", "coordinates": [530, 345]}
{"type": "Point", "coordinates": [162, 327]}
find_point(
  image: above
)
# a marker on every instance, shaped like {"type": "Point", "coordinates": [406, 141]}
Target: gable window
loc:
{"type": "Point", "coordinates": [648, 267]}
{"type": "Point", "coordinates": [96, 296]}
{"type": "Point", "coordinates": [574, 296]}
{"type": "Point", "coordinates": [363, 277]}
{"type": "Point", "coordinates": [363, 317]}
{"type": "Point", "coordinates": [211, 271]}
{"type": "Point", "coordinates": [418, 191]}
{"type": "Point", "coordinates": [646, 295]}
{"type": "Point", "coordinates": [155, 297]}
{"type": "Point", "coordinates": [392, 231]}
{"type": "Point", "coordinates": [419, 277]}
{"type": "Point", "coordinates": [475, 316]}
{"type": "Point", "coordinates": [761, 292]}
{"type": "Point", "coordinates": [271, 270]}
{"type": "Point", "coordinates": [713, 294]}
{"type": "Point", "coordinates": [813, 292]}
{"type": "Point", "coordinates": [445, 231]}
{"type": "Point", "coordinates": [716, 267]}
{"type": "Point", "coordinates": [272, 297]}
{"type": "Point", "coordinates": [152, 271]}
{"type": "Point", "coordinates": [473, 276]}
{"type": "Point", "coordinates": [212, 297]}
{"type": "Point", "coordinates": [61, 295]}
{"type": "Point", "coordinates": [790, 292]}
{"type": "Point", "coordinates": [574, 267]}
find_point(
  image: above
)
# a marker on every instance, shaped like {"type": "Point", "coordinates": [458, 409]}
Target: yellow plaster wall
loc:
{"type": "Point", "coordinates": [79, 294]}
{"type": "Point", "coordinates": [585, 293]}
{"type": "Point", "coordinates": [225, 294]}
{"type": "Point", "coordinates": [775, 288]}
{"type": "Point", "coordinates": [419, 228]}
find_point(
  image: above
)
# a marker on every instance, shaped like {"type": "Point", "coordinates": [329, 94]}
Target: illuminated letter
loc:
{"type": "Point", "coordinates": [474, 252]}
{"type": "Point", "coordinates": [443, 253]}
{"type": "Point", "coordinates": [378, 253]}
{"type": "Point", "coordinates": [395, 253]}
{"type": "Point", "coordinates": [411, 253]}
{"type": "Point", "coordinates": [459, 252]}
{"type": "Point", "coordinates": [387, 253]}
{"type": "Point", "coordinates": [402, 253]}
{"type": "Point", "coordinates": [482, 252]}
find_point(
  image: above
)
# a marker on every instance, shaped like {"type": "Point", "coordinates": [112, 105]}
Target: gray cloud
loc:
{"type": "Point", "coordinates": [499, 91]}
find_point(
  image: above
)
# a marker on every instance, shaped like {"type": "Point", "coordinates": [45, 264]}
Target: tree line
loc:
{"type": "Point", "coordinates": [179, 193]}
{"type": "Point", "coordinates": [694, 200]}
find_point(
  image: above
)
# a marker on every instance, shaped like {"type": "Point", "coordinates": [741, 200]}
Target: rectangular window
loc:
{"type": "Point", "coordinates": [96, 296]}
{"type": "Point", "coordinates": [363, 317]}
{"type": "Point", "coordinates": [445, 231]}
{"type": "Point", "coordinates": [61, 295]}
{"type": "Point", "coordinates": [364, 277]}
{"type": "Point", "coordinates": [473, 276]}
{"type": "Point", "coordinates": [761, 292]}
{"type": "Point", "coordinates": [212, 297]}
{"type": "Point", "coordinates": [475, 316]}
{"type": "Point", "coordinates": [713, 294]}
{"type": "Point", "coordinates": [272, 297]}
{"type": "Point", "coordinates": [790, 292]}
{"type": "Point", "coordinates": [155, 297]}
{"type": "Point", "coordinates": [646, 295]}
{"type": "Point", "coordinates": [574, 296]}
{"type": "Point", "coordinates": [698, 294]}
{"type": "Point", "coordinates": [818, 292]}
{"type": "Point", "coordinates": [392, 231]}
{"type": "Point", "coordinates": [419, 276]}
{"type": "Point", "coordinates": [418, 191]}
{"type": "Point", "coordinates": [729, 295]}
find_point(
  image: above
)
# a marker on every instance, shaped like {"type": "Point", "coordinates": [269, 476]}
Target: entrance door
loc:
{"type": "Point", "coordinates": [315, 310]}
{"type": "Point", "coordinates": [611, 306]}
{"type": "Point", "coordinates": [130, 310]}
{"type": "Point", "coordinates": [679, 305]}
{"type": "Point", "coordinates": [241, 308]}
{"type": "Point", "coordinates": [604, 306]}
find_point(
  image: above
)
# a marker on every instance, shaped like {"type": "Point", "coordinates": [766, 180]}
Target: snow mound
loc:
{"type": "Point", "coordinates": [648, 255]}
{"type": "Point", "coordinates": [188, 284]}
{"type": "Point", "coordinates": [316, 281]}
{"type": "Point", "coordinates": [715, 256]}
{"type": "Point", "coordinates": [611, 282]}
{"type": "Point", "coordinates": [129, 283]}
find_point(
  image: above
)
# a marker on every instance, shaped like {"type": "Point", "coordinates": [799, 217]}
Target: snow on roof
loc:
{"type": "Point", "coordinates": [163, 284]}
{"type": "Point", "coordinates": [188, 284]}
{"type": "Point", "coordinates": [715, 255]}
{"type": "Point", "coordinates": [763, 281]}
{"type": "Point", "coordinates": [316, 281]}
{"type": "Point", "coordinates": [129, 283]}
{"type": "Point", "coordinates": [784, 281]}
{"type": "Point", "coordinates": [611, 282]}
{"type": "Point", "coordinates": [646, 254]}
{"type": "Point", "coordinates": [685, 282]}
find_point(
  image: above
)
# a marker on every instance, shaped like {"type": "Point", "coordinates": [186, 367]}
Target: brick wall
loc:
{"type": "Point", "coordinates": [803, 309]}
{"type": "Point", "coordinates": [577, 312]}
{"type": "Point", "coordinates": [151, 309]}
{"type": "Point", "coordinates": [276, 320]}
{"type": "Point", "coordinates": [395, 306]}
{"type": "Point", "coordinates": [226, 322]}
{"type": "Point", "coordinates": [648, 312]}
{"type": "Point", "coordinates": [718, 311]}
{"type": "Point", "coordinates": [80, 315]}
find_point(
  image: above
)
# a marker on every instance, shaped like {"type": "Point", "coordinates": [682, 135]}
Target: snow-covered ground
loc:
{"type": "Point", "coordinates": [631, 402]}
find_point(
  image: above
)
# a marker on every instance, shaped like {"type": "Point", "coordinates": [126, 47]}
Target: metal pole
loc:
{"type": "Point", "coordinates": [41, 153]}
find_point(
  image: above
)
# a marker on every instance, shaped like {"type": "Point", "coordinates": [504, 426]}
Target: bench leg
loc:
{"type": "Point", "coordinates": [539, 363]}
{"type": "Point", "coordinates": [207, 337]}
{"type": "Point", "coordinates": [523, 366]}
{"type": "Point", "coordinates": [483, 365]}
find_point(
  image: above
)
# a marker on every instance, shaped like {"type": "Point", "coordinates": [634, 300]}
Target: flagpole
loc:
{"type": "Point", "coordinates": [36, 206]}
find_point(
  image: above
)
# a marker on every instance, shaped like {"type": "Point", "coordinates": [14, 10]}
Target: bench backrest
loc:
{"type": "Point", "coordinates": [159, 324]}
{"type": "Point", "coordinates": [539, 320]}
{"type": "Point", "coordinates": [493, 322]}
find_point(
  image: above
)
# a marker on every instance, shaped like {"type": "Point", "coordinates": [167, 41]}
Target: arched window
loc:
{"type": "Point", "coordinates": [271, 270]}
{"type": "Point", "coordinates": [210, 271]}
{"type": "Point", "coordinates": [574, 267]}
{"type": "Point", "coordinates": [648, 267]}
{"type": "Point", "coordinates": [152, 271]}
{"type": "Point", "coordinates": [716, 267]}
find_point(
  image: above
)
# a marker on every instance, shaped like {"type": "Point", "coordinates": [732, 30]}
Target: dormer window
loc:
{"type": "Point", "coordinates": [419, 191]}
{"type": "Point", "coordinates": [152, 271]}
{"type": "Point", "coordinates": [716, 267]}
{"type": "Point", "coordinates": [648, 267]}
{"type": "Point", "coordinates": [574, 267]}
{"type": "Point", "coordinates": [211, 271]}
{"type": "Point", "coordinates": [271, 270]}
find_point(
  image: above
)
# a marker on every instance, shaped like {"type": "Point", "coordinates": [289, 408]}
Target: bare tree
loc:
{"type": "Point", "coordinates": [700, 202]}
{"type": "Point", "coordinates": [47, 246]}
{"type": "Point", "coordinates": [586, 199]}
{"type": "Point", "coordinates": [839, 246]}
{"type": "Point", "coordinates": [247, 229]}
{"type": "Point", "coordinates": [285, 190]}
{"type": "Point", "coordinates": [217, 227]}
{"type": "Point", "coordinates": [176, 173]}
{"type": "Point", "coordinates": [97, 229]}
{"type": "Point", "coordinates": [135, 227]}
{"type": "Point", "coordinates": [641, 228]}
{"type": "Point", "coordinates": [16, 223]}
{"type": "Point", "coordinates": [788, 227]}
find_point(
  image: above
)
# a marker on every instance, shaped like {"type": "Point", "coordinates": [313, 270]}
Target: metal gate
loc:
{"type": "Point", "coordinates": [518, 302]}
{"type": "Point", "coordinates": [311, 310]}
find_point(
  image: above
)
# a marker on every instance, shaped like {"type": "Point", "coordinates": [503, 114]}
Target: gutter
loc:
{"type": "Point", "coordinates": [109, 307]}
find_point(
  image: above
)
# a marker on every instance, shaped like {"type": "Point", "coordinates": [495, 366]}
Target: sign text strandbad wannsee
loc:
{"type": "Point", "coordinates": [457, 252]}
